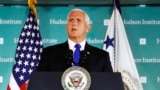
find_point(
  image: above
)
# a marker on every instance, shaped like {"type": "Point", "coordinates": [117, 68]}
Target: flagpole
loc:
{"type": "Point", "coordinates": [114, 28]}
{"type": "Point", "coordinates": [31, 5]}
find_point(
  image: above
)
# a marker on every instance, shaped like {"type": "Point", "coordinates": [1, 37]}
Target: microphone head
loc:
{"type": "Point", "coordinates": [69, 57]}
{"type": "Point", "coordinates": [84, 55]}
{"type": "Point", "coordinates": [83, 58]}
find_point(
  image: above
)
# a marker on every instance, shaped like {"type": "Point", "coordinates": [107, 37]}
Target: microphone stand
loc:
{"type": "Point", "coordinates": [69, 58]}
{"type": "Point", "coordinates": [83, 59]}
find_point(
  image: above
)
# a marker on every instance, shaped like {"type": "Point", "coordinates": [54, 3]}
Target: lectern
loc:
{"type": "Point", "coordinates": [52, 81]}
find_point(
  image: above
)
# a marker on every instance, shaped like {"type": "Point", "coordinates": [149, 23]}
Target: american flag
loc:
{"type": "Point", "coordinates": [27, 55]}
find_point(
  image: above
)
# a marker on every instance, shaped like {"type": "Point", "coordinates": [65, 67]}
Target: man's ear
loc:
{"type": "Point", "coordinates": [88, 28]}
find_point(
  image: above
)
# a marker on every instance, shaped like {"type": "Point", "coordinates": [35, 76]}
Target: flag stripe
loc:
{"type": "Point", "coordinates": [13, 84]}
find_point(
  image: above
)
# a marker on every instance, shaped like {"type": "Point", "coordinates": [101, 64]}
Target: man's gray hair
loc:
{"type": "Point", "coordinates": [86, 15]}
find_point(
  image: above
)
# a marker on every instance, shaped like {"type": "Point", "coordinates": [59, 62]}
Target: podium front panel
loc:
{"type": "Point", "coordinates": [52, 81]}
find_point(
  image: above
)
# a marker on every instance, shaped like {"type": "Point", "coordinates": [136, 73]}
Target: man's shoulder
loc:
{"type": "Point", "coordinates": [56, 46]}
{"type": "Point", "coordinates": [97, 50]}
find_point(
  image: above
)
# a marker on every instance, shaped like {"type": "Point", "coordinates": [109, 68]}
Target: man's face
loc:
{"type": "Point", "coordinates": [77, 26]}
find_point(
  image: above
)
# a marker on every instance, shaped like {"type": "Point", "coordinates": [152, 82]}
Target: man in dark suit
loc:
{"type": "Point", "coordinates": [59, 57]}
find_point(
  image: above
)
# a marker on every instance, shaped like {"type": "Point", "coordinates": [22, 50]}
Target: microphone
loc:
{"type": "Point", "coordinates": [83, 58]}
{"type": "Point", "coordinates": [82, 61]}
{"type": "Point", "coordinates": [69, 58]}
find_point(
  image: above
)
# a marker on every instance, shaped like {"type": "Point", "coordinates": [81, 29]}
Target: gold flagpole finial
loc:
{"type": "Point", "coordinates": [31, 5]}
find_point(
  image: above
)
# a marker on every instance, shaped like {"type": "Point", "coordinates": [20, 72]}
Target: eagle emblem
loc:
{"type": "Point", "coordinates": [76, 78]}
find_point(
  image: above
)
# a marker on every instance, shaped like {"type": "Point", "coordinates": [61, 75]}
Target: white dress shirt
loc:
{"type": "Point", "coordinates": [72, 44]}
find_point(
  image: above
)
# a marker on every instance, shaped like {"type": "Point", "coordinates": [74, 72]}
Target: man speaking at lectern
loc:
{"type": "Point", "coordinates": [59, 57]}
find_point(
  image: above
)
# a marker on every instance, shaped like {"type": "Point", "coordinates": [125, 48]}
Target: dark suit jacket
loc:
{"type": "Point", "coordinates": [58, 58]}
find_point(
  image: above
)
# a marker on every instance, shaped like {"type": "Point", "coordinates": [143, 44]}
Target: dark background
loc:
{"type": "Point", "coordinates": [82, 2]}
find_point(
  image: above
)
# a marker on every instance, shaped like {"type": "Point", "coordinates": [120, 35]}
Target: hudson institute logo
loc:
{"type": "Point", "coordinates": [76, 78]}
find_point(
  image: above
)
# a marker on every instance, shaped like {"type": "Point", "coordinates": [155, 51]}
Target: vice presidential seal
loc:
{"type": "Point", "coordinates": [76, 78]}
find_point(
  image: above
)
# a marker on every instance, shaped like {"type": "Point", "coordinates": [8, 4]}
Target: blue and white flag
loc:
{"type": "Point", "coordinates": [116, 43]}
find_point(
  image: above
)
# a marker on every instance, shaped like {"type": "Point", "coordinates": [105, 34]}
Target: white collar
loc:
{"type": "Point", "coordinates": [72, 44]}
